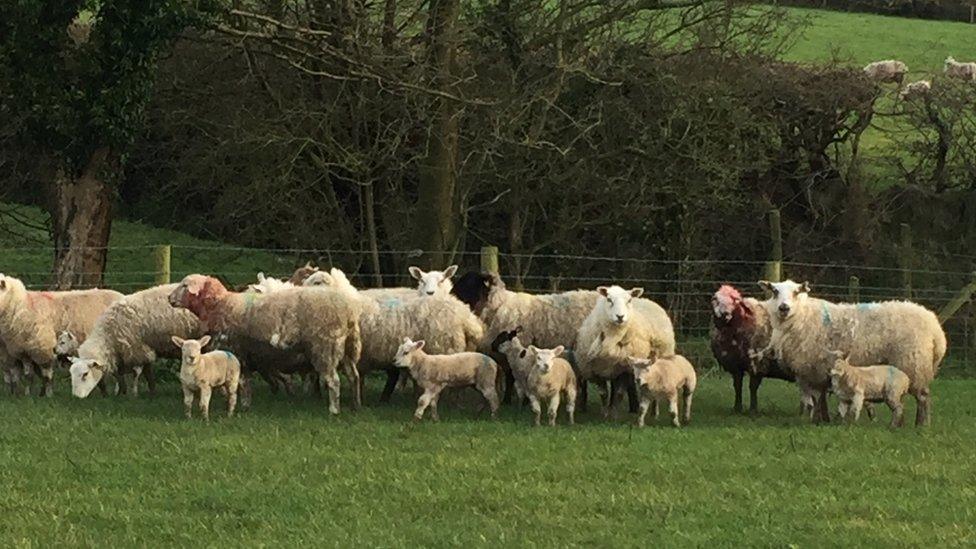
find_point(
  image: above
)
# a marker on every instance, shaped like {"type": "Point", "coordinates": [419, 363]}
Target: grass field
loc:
{"type": "Point", "coordinates": [118, 472]}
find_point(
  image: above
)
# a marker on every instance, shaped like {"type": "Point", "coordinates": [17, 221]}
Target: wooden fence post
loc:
{"type": "Point", "coordinates": [161, 263]}
{"type": "Point", "coordinates": [956, 303]}
{"type": "Point", "coordinates": [489, 259]}
{"type": "Point", "coordinates": [774, 267]}
{"type": "Point", "coordinates": [854, 289]}
{"type": "Point", "coordinates": [906, 260]}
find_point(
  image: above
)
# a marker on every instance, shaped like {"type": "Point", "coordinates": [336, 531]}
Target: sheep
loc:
{"type": "Point", "coordinates": [67, 346]}
{"type": "Point", "coordinates": [433, 282]}
{"type": "Point", "coordinates": [434, 373]}
{"type": "Point", "coordinates": [323, 324]}
{"type": "Point", "coordinates": [302, 273]}
{"type": "Point", "coordinates": [661, 379]}
{"type": "Point", "coordinates": [30, 322]}
{"type": "Point", "coordinates": [128, 338]}
{"type": "Point", "coordinates": [445, 323]}
{"type": "Point", "coordinates": [621, 325]}
{"type": "Point", "coordinates": [889, 70]}
{"type": "Point", "coordinates": [856, 385]}
{"type": "Point", "coordinates": [549, 377]}
{"type": "Point", "coordinates": [201, 373]}
{"type": "Point", "coordinates": [962, 71]}
{"type": "Point", "coordinates": [267, 285]}
{"type": "Point", "coordinates": [919, 88]}
{"type": "Point", "coordinates": [740, 329]}
{"type": "Point", "coordinates": [12, 371]}
{"type": "Point", "coordinates": [900, 333]}
{"type": "Point", "coordinates": [516, 355]}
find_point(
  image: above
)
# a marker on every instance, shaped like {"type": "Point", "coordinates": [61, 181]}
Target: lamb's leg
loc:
{"type": "Point", "coordinates": [571, 403]}
{"type": "Point", "coordinates": [187, 402]}
{"type": "Point", "coordinates": [633, 400]}
{"type": "Point", "coordinates": [488, 391]}
{"type": "Point", "coordinates": [205, 393]}
{"type": "Point", "coordinates": [392, 376]}
{"type": "Point", "coordinates": [897, 412]}
{"type": "Point", "coordinates": [673, 408]}
{"type": "Point", "coordinates": [47, 381]}
{"type": "Point", "coordinates": [644, 405]}
{"type": "Point", "coordinates": [536, 410]}
{"type": "Point", "coordinates": [422, 403]}
{"type": "Point", "coordinates": [330, 378]}
{"type": "Point", "coordinates": [352, 373]}
{"type": "Point", "coordinates": [509, 386]}
{"type": "Point", "coordinates": [433, 407]}
{"type": "Point", "coordinates": [923, 414]}
{"type": "Point", "coordinates": [270, 379]}
{"type": "Point", "coordinates": [151, 379]}
{"type": "Point", "coordinates": [553, 409]}
{"type": "Point", "coordinates": [869, 408]}
{"type": "Point", "coordinates": [231, 389]}
{"type": "Point", "coordinates": [856, 404]}
{"type": "Point", "coordinates": [823, 415]}
{"type": "Point", "coordinates": [136, 373]}
{"type": "Point", "coordinates": [655, 408]}
{"type": "Point", "coordinates": [120, 386]}
{"type": "Point", "coordinates": [842, 408]}
{"type": "Point", "coordinates": [754, 382]}
{"type": "Point", "coordinates": [688, 398]}
{"type": "Point", "coordinates": [737, 386]}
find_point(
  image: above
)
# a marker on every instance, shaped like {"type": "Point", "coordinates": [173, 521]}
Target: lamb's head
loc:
{"type": "Point", "coordinates": [433, 282]}
{"type": "Point", "coordinates": [507, 340]}
{"type": "Point", "coordinates": [617, 302]}
{"type": "Point", "coordinates": [949, 61]}
{"type": "Point", "coordinates": [302, 273]}
{"type": "Point", "coordinates": [66, 344]}
{"type": "Point", "coordinates": [725, 301]}
{"type": "Point", "coordinates": [841, 363]}
{"type": "Point", "coordinates": [787, 297]}
{"type": "Point", "coordinates": [406, 352]}
{"type": "Point", "coordinates": [545, 357]}
{"type": "Point", "coordinates": [474, 288]}
{"type": "Point", "coordinates": [192, 348]}
{"type": "Point", "coordinates": [85, 375]}
{"type": "Point", "coordinates": [193, 290]}
{"type": "Point", "coordinates": [640, 366]}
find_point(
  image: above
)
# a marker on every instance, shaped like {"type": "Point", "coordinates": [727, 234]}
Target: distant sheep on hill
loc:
{"type": "Point", "coordinates": [888, 70]}
{"type": "Point", "coordinates": [962, 71]}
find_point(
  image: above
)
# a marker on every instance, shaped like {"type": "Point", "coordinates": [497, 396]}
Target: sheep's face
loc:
{"type": "Point", "coordinates": [319, 278]}
{"type": "Point", "coordinates": [616, 302]}
{"type": "Point", "coordinates": [404, 354]}
{"type": "Point", "coordinates": [841, 363]}
{"type": "Point", "coordinates": [787, 297]}
{"type": "Point", "coordinates": [192, 348]}
{"type": "Point", "coordinates": [66, 344]}
{"type": "Point", "coordinates": [474, 289]}
{"type": "Point", "coordinates": [545, 357]}
{"type": "Point", "coordinates": [191, 286]}
{"type": "Point", "coordinates": [725, 301]}
{"type": "Point", "coordinates": [640, 366]}
{"type": "Point", "coordinates": [85, 375]}
{"type": "Point", "coordinates": [433, 282]}
{"type": "Point", "coordinates": [506, 340]}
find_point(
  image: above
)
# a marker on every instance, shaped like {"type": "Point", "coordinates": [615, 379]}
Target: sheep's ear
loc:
{"type": "Point", "coordinates": [178, 341]}
{"type": "Point", "coordinates": [533, 348]}
{"type": "Point", "coordinates": [419, 345]}
{"type": "Point", "coordinates": [416, 273]}
{"type": "Point", "coordinates": [766, 285]}
{"type": "Point", "coordinates": [204, 340]}
{"type": "Point", "coordinates": [195, 284]}
{"type": "Point", "coordinates": [407, 340]}
{"type": "Point", "coordinates": [260, 278]}
{"type": "Point", "coordinates": [559, 350]}
{"type": "Point", "coordinates": [450, 271]}
{"type": "Point", "coordinates": [805, 287]}
{"type": "Point", "coordinates": [3, 283]}
{"type": "Point", "coordinates": [602, 290]}
{"type": "Point", "coordinates": [636, 292]}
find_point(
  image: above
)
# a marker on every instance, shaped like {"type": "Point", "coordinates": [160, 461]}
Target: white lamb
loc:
{"type": "Point", "coordinates": [889, 70]}
{"type": "Point", "coordinates": [916, 89]}
{"type": "Point", "coordinates": [30, 322]}
{"type": "Point", "coordinates": [962, 71]}
{"type": "Point", "coordinates": [129, 337]}
{"type": "Point", "coordinates": [621, 326]}
{"type": "Point", "coordinates": [201, 373]}
{"type": "Point", "coordinates": [900, 333]}
{"type": "Point", "coordinates": [854, 386]}
{"type": "Point", "coordinates": [550, 377]}
{"type": "Point", "coordinates": [432, 283]}
{"type": "Point", "coordinates": [660, 379]}
{"type": "Point", "coordinates": [434, 373]}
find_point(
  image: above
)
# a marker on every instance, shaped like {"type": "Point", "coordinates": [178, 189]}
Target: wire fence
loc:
{"type": "Point", "coordinates": [683, 286]}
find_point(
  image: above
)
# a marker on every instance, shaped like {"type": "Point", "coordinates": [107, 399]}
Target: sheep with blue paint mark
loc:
{"type": "Point", "coordinates": [857, 385]}
{"type": "Point", "coordinates": [900, 333]}
{"type": "Point", "coordinates": [201, 373]}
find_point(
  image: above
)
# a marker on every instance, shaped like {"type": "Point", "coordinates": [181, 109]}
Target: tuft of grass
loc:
{"type": "Point", "coordinates": [115, 471]}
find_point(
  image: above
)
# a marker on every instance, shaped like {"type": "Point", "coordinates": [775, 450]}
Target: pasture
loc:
{"type": "Point", "coordinates": [122, 472]}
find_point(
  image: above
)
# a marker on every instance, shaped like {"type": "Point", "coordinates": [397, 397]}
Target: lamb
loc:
{"type": "Point", "coordinates": [445, 323]}
{"type": "Point", "coordinates": [434, 373]}
{"type": "Point", "coordinates": [889, 70]}
{"type": "Point", "coordinates": [660, 379]}
{"type": "Point", "coordinates": [621, 325]}
{"type": "Point", "coordinates": [128, 338]}
{"type": "Point", "coordinates": [962, 71]}
{"type": "Point", "coordinates": [30, 322]}
{"type": "Point", "coordinates": [201, 373]}
{"type": "Point", "coordinates": [855, 385]}
{"type": "Point", "coordinates": [741, 329]}
{"type": "Point", "coordinates": [919, 88]}
{"type": "Point", "coordinates": [433, 282]}
{"type": "Point", "coordinates": [302, 273]}
{"type": "Point", "coordinates": [900, 333]}
{"type": "Point", "coordinates": [323, 325]}
{"type": "Point", "coordinates": [549, 377]}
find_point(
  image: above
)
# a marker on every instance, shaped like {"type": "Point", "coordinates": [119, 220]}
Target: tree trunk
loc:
{"type": "Point", "coordinates": [81, 222]}
{"type": "Point", "coordinates": [436, 216]}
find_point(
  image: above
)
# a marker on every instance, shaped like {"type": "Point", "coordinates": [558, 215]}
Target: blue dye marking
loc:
{"type": "Point", "coordinates": [390, 302]}
{"type": "Point", "coordinates": [826, 315]}
{"type": "Point", "coordinates": [866, 306]}
{"type": "Point", "coordinates": [228, 353]}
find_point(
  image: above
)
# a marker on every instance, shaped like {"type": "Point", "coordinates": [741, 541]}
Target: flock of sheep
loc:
{"type": "Point", "coordinates": [546, 349]}
{"type": "Point", "coordinates": [891, 70]}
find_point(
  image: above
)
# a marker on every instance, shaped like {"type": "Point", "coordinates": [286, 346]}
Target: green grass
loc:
{"type": "Point", "coordinates": [118, 472]}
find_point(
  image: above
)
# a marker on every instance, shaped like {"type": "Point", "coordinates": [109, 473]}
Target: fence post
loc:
{"type": "Point", "coordinates": [774, 267]}
{"type": "Point", "coordinates": [972, 13]}
{"type": "Point", "coordinates": [956, 303]}
{"type": "Point", "coordinates": [906, 259]}
{"type": "Point", "coordinates": [161, 263]}
{"type": "Point", "coordinates": [854, 289]}
{"type": "Point", "coordinates": [489, 259]}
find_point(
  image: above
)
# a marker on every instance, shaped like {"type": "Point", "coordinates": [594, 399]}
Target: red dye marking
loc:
{"type": "Point", "coordinates": [33, 296]}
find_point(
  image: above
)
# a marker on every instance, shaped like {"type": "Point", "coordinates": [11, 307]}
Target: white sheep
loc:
{"type": "Point", "coordinates": [660, 379]}
{"type": "Point", "coordinates": [856, 385]}
{"type": "Point", "coordinates": [434, 373]}
{"type": "Point", "coordinates": [128, 338]}
{"type": "Point", "coordinates": [889, 70]}
{"type": "Point", "coordinates": [900, 333]}
{"type": "Point", "coordinates": [919, 88]}
{"type": "Point", "coordinates": [201, 373]}
{"type": "Point", "coordinates": [30, 322]}
{"type": "Point", "coordinates": [67, 347]}
{"type": "Point", "coordinates": [267, 285]}
{"type": "Point", "coordinates": [550, 377]}
{"type": "Point", "coordinates": [322, 325]}
{"type": "Point", "coordinates": [621, 325]}
{"type": "Point", "coordinates": [432, 283]}
{"type": "Point", "coordinates": [962, 71]}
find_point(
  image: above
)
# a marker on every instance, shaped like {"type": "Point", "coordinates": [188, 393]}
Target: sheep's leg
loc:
{"type": "Point", "coordinates": [823, 415]}
{"type": "Point", "coordinates": [269, 379]}
{"type": "Point", "coordinates": [673, 408]}
{"type": "Point", "coordinates": [633, 400]}
{"type": "Point", "coordinates": [536, 410]}
{"type": "Point", "coordinates": [120, 384]}
{"type": "Point", "coordinates": [924, 400]}
{"type": "Point", "coordinates": [330, 378]}
{"type": "Point", "coordinates": [136, 373]}
{"type": "Point", "coordinates": [392, 376]}
{"type": "Point", "coordinates": [856, 404]}
{"type": "Point", "coordinates": [656, 409]}
{"type": "Point", "coordinates": [842, 408]}
{"type": "Point", "coordinates": [737, 386]}
{"type": "Point", "coordinates": [47, 380]}
{"type": "Point", "coordinates": [869, 408]}
{"type": "Point", "coordinates": [352, 374]}
{"type": "Point", "coordinates": [423, 402]}
{"type": "Point", "coordinates": [688, 398]}
{"type": "Point", "coordinates": [102, 383]}
{"type": "Point", "coordinates": [433, 407]}
{"type": "Point", "coordinates": [510, 387]}
{"type": "Point", "coordinates": [617, 387]}
{"type": "Point", "coordinates": [488, 391]}
{"type": "Point", "coordinates": [897, 412]}
{"type": "Point", "coordinates": [205, 394]}
{"type": "Point", "coordinates": [571, 403]}
{"type": "Point", "coordinates": [187, 402]}
{"type": "Point", "coordinates": [583, 388]}
{"type": "Point", "coordinates": [553, 409]}
{"type": "Point", "coordinates": [151, 379]}
{"type": "Point", "coordinates": [244, 389]}
{"type": "Point", "coordinates": [644, 405]}
{"type": "Point", "coordinates": [754, 382]}
{"type": "Point", "coordinates": [231, 390]}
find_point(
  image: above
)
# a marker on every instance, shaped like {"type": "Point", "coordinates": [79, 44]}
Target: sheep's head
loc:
{"type": "Point", "coordinates": [949, 61]}
{"type": "Point", "coordinates": [405, 352]}
{"type": "Point", "coordinates": [193, 290]}
{"type": "Point", "coordinates": [473, 289]}
{"type": "Point", "coordinates": [787, 297]}
{"type": "Point", "coordinates": [67, 344]}
{"type": "Point", "coordinates": [192, 348]}
{"type": "Point", "coordinates": [640, 366]}
{"type": "Point", "coordinates": [302, 273]}
{"type": "Point", "coordinates": [841, 362]}
{"type": "Point", "coordinates": [7, 286]}
{"type": "Point", "coordinates": [617, 302]}
{"type": "Point", "coordinates": [506, 340]}
{"type": "Point", "coordinates": [725, 301]}
{"type": "Point", "coordinates": [85, 375]}
{"type": "Point", "coordinates": [433, 282]}
{"type": "Point", "coordinates": [545, 357]}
